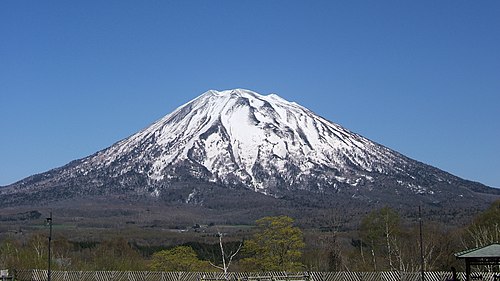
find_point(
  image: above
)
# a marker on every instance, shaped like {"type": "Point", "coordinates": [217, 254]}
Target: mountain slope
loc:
{"type": "Point", "coordinates": [238, 139]}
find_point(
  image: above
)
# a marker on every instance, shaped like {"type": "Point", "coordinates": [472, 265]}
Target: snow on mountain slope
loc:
{"type": "Point", "coordinates": [264, 142]}
{"type": "Point", "coordinates": [238, 138]}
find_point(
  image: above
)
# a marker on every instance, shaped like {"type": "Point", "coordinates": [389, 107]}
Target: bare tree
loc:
{"type": "Point", "coordinates": [226, 258]}
{"type": "Point", "coordinates": [484, 235]}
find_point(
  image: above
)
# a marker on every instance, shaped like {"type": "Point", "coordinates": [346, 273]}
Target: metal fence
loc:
{"type": "Point", "coordinates": [41, 275]}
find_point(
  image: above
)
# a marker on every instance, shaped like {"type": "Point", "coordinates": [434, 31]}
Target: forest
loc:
{"type": "Point", "coordinates": [384, 241]}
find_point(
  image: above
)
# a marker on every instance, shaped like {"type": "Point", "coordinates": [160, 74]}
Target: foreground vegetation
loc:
{"type": "Point", "coordinates": [383, 242]}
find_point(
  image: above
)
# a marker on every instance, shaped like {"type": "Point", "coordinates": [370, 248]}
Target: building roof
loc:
{"type": "Point", "coordinates": [490, 251]}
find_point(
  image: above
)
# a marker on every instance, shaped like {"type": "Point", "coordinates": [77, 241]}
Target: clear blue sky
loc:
{"type": "Point", "coordinates": [421, 77]}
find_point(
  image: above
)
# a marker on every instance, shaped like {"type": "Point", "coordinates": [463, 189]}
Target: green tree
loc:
{"type": "Point", "coordinates": [380, 230]}
{"type": "Point", "coordinates": [181, 258]}
{"type": "Point", "coordinates": [276, 246]}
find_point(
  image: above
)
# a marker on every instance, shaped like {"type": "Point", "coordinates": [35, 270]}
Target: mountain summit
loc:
{"type": "Point", "coordinates": [241, 140]}
{"type": "Point", "coordinates": [265, 143]}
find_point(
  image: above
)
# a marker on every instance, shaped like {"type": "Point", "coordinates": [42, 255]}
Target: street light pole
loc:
{"type": "Point", "coordinates": [421, 244]}
{"type": "Point", "coordinates": [49, 222]}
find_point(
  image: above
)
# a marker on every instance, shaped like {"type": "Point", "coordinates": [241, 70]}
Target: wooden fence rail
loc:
{"type": "Point", "coordinates": [41, 275]}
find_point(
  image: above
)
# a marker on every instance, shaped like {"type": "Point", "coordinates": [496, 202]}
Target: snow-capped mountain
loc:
{"type": "Point", "coordinates": [241, 139]}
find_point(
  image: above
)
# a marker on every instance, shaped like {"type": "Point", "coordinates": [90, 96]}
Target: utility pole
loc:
{"type": "Point", "coordinates": [49, 222]}
{"type": "Point", "coordinates": [421, 244]}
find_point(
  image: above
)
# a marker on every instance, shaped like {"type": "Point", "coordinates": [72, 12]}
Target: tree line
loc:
{"type": "Point", "coordinates": [383, 242]}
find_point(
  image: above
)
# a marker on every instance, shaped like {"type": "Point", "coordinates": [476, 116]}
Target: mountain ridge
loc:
{"type": "Point", "coordinates": [239, 139]}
